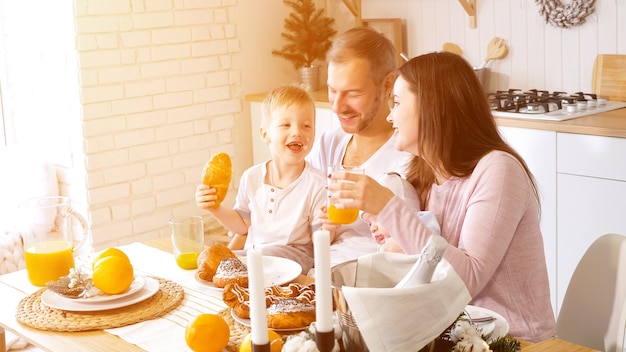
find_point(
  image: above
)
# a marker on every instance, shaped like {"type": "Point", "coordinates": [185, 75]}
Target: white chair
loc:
{"type": "Point", "coordinates": [593, 312]}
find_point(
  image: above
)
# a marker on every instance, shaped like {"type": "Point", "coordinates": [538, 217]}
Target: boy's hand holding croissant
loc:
{"type": "Point", "coordinates": [216, 176]}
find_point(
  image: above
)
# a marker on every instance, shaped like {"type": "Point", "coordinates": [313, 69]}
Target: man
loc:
{"type": "Point", "coordinates": [361, 74]}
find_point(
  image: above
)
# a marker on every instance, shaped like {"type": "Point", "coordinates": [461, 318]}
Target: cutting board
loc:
{"type": "Point", "coordinates": [609, 77]}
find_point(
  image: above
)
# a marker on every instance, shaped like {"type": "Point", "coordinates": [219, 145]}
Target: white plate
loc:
{"type": "Point", "coordinates": [135, 286]}
{"type": "Point", "coordinates": [276, 271]}
{"type": "Point", "coordinates": [51, 299]}
{"type": "Point", "coordinates": [493, 330]}
{"type": "Point", "coordinates": [246, 322]}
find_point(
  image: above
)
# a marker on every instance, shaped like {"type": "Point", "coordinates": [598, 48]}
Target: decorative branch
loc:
{"type": "Point", "coordinates": [307, 34]}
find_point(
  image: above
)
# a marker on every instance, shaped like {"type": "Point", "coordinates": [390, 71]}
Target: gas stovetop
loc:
{"type": "Point", "coordinates": [544, 105]}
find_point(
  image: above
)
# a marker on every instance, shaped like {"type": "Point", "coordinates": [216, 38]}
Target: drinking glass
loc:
{"type": "Point", "coordinates": [187, 240]}
{"type": "Point", "coordinates": [342, 215]}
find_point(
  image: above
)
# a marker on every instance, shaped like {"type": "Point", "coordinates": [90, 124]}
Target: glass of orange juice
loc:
{"type": "Point", "coordinates": [187, 240]}
{"type": "Point", "coordinates": [50, 244]}
{"type": "Point", "coordinates": [342, 215]}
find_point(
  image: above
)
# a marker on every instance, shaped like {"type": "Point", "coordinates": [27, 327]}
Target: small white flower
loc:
{"type": "Point", "coordinates": [467, 339]}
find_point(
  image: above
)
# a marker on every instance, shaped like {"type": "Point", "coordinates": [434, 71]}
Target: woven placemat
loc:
{"type": "Point", "coordinates": [33, 312]}
{"type": "Point", "coordinates": [237, 330]}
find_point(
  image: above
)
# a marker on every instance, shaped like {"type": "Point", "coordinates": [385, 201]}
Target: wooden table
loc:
{"type": "Point", "coordinates": [556, 345]}
{"type": "Point", "coordinates": [14, 287]}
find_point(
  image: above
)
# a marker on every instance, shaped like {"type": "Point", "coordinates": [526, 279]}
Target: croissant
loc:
{"type": "Point", "coordinates": [217, 173]}
{"type": "Point", "coordinates": [210, 259]}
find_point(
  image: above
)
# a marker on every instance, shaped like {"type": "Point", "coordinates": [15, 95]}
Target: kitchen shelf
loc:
{"type": "Point", "coordinates": [470, 8]}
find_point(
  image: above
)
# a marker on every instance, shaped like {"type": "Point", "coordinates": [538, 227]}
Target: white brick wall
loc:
{"type": "Point", "coordinates": [157, 101]}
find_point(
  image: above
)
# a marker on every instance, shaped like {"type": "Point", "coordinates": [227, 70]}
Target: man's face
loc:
{"type": "Point", "coordinates": [353, 94]}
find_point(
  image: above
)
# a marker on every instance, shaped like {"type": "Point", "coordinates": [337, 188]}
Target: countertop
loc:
{"type": "Point", "coordinates": [607, 124]}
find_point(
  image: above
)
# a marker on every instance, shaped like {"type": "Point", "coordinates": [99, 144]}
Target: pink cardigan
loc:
{"type": "Point", "coordinates": [491, 222]}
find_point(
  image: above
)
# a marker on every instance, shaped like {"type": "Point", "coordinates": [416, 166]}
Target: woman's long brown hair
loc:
{"type": "Point", "coordinates": [456, 128]}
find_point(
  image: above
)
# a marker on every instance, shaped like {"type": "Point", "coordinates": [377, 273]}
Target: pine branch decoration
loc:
{"type": "Point", "coordinates": [307, 33]}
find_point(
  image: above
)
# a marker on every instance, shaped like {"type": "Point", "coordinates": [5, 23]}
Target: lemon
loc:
{"type": "Point", "coordinates": [276, 342]}
{"type": "Point", "coordinates": [207, 333]}
{"type": "Point", "coordinates": [113, 274]}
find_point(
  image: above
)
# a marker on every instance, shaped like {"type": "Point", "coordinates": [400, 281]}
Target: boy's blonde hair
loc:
{"type": "Point", "coordinates": [282, 98]}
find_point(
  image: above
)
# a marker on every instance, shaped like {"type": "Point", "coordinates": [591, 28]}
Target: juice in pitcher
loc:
{"type": "Point", "coordinates": [48, 261]}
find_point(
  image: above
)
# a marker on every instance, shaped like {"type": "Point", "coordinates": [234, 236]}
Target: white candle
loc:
{"type": "Point", "coordinates": [323, 293]}
{"type": "Point", "coordinates": [256, 286]}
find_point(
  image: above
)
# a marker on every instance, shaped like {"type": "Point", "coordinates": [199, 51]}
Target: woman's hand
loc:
{"type": "Point", "coordinates": [205, 197]}
{"type": "Point", "coordinates": [363, 192]}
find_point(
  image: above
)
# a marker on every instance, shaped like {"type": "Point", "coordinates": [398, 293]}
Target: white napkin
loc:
{"type": "Point", "coordinates": [16, 343]}
{"type": "Point", "coordinates": [403, 319]}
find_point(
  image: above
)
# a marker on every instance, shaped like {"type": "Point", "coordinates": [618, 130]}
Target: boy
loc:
{"type": "Point", "coordinates": [278, 202]}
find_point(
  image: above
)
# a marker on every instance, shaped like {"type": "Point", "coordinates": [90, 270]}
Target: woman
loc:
{"type": "Point", "coordinates": [478, 187]}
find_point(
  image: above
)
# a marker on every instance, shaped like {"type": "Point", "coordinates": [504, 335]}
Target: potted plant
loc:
{"type": "Point", "coordinates": [308, 34]}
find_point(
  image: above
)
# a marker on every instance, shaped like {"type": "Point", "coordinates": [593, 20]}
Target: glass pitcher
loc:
{"type": "Point", "coordinates": [49, 239]}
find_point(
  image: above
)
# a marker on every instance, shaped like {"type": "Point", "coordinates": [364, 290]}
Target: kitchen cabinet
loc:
{"type": "Point", "coordinates": [591, 178]}
{"type": "Point", "coordinates": [324, 120]}
{"type": "Point", "coordinates": [538, 149]}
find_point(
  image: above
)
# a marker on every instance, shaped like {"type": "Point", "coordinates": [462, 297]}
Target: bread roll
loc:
{"type": "Point", "coordinates": [290, 313]}
{"type": "Point", "coordinates": [288, 307]}
{"type": "Point", "coordinates": [217, 173]}
{"type": "Point", "coordinates": [237, 298]}
{"type": "Point", "coordinates": [210, 259]}
{"type": "Point", "coordinates": [231, 270]}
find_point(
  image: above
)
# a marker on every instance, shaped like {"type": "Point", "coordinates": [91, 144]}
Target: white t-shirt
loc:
{"type": "Point", "coordinates": [355, 239]}
{"type": "Point", "coordinates": [281, 216]}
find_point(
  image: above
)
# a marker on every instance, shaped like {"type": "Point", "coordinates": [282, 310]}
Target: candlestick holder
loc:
{"type": "Point", "coordinates": [325, 340]}
{"type": "Point", "coordinates": [261, 348]}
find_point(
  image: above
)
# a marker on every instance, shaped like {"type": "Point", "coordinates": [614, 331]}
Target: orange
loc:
{"type": "Point", "coordinates": [113, 274]}
{"type": "Point", "coordinates": [342, 216]}
{"type": "Point", "coordinates": [276, 342]}
{"type": "Point", "coordinates": [207, 333]}
{"type": "Point", "coordinates": [112, 251]}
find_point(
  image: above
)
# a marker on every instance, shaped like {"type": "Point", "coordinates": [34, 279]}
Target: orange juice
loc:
{"type": "Point", "coordinates": [342, 216]}
{"type": "Point", "coordinates": [187, 260]}
{"type": "Point", "coordinates": [48, 261]}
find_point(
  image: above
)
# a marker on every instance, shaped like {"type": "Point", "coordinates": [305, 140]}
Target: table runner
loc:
{"type": "Point", "coordinates": [168, 332]}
